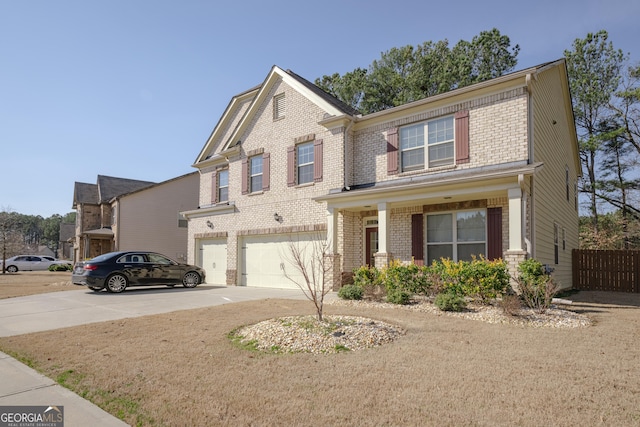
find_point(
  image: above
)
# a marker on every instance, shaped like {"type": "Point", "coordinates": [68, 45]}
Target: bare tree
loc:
{"type": "Point", "coordinates": [312, 269]}
{"type": "Point", "coordinates": [8, 227]}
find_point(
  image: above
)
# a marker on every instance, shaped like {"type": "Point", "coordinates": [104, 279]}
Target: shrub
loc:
{"type": "Point", "coordinates": [486, 280]}
{"type": "Point", "coordinates": [351, 292]}
{"type": "Point", "coordinates": [60, 267]}
{"type": "Point", "coordinates": [411, 277]}
{"type": "Point", "coordinates": [510, 304]}
{"type": "Point", "coordinates": [398, 296]}
{"type": "Point", "coordinates": [480, 279]}
{"type": "Point", "coordinates": [536, 287]}
{"type": "Point", "coordinates": [449, 301]}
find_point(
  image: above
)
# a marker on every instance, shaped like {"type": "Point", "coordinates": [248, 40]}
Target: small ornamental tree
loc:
{"type": "Point", "coordinates": [311, 268]}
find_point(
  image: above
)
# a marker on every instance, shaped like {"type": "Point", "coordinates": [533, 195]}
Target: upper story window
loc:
{"type": "Point", "coordinates": [255, 173]}
{"type": "Point", "coordinates": [223, 186]}
{"type": "Point", "coordinates": [439, 144]}
{"type": "Point", "coordinates": [304, 155]}
{"type": "Point", "coordinates": [278, 106]}
{"type": "Point", "coordinates": [304, 162]}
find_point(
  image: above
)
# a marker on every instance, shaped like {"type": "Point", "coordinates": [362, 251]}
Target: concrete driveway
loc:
{"type": "Point", "coordinates": [21, 385]}
{"type": "Point", "coordinates": [79, 307]}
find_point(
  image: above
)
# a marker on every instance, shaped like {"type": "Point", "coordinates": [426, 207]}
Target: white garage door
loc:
{"type": "Point", "coordinates": [213, 258]}
{"type": "Point", "coordinates": [264, 259]}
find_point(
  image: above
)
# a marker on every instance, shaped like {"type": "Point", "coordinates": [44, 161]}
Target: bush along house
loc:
{"type": "Point", "coordinates": [486, 170]}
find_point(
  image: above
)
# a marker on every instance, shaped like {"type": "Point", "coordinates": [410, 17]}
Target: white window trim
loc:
{"type": "Point", "coordinates": [455, 242]}
{"type": "Point", "coordinates": [425, 145]}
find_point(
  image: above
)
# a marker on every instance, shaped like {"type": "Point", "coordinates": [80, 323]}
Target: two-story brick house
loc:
{"type": "Point", "coordinates": [485, 170]}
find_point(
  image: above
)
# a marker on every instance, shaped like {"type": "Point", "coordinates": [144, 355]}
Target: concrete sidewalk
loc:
{"type": "Point", "coordinates": [21, 385]}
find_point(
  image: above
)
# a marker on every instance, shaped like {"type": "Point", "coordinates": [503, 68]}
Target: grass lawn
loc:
{"type": "Point", "coordinates": [180, 369]}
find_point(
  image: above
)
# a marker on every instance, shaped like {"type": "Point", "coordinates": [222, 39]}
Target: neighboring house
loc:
{"type": "Point", "coordinates": [67, 235]}
{"type": "Point", "coordinates": [126, 214]}
{"type": "Point", "coordinates": [486, 170]}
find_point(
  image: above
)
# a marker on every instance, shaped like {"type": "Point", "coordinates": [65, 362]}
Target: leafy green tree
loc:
{"type": "Point", "coordinates": [411, 73]}
{"type": "Point", "coordinates": [594, 67]}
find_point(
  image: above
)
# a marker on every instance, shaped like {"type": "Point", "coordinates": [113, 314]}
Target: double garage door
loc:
{"type": "Point", "coordinates": [264, 260]}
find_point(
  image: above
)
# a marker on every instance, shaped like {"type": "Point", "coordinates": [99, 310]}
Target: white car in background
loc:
{"type": "Point", "coordinates": [30, 262]}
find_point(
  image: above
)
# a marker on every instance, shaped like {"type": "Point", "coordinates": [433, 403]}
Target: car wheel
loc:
{"type": "Point", "coordinates": [116, 283]}
{"type": "Point", "coordinates": [191, 279]}
{"type": "Point", "coordinates": [12, 269]}
{"type": "Point", "coordinates": [95, 288]}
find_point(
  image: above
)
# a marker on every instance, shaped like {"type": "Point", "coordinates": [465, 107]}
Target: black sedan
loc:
{"type": "Point", "coordinates": [115, 271]}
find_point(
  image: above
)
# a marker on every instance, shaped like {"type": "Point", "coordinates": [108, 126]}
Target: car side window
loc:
{"type": "Point", "coordinates": [159, 259]}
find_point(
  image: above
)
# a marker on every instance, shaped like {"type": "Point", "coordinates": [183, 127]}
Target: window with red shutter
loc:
{"type": "Point", "coordinates": [317, 160]}
{"type": "Point", "coordinates": [266, 171]}
{"type": "Point", "coordinates": [392, 151]}
{"type": "Point", "coordinates": [462, 136]}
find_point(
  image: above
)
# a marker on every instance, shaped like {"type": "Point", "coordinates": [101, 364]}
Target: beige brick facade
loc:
{"type": "Point", "coordinates": [356, 190]}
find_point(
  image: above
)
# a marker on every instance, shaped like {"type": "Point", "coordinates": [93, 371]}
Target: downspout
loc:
{"type": "Point", "coordinates": [530, 141]}
{"type": "Point", "coordinates": [348, 170]}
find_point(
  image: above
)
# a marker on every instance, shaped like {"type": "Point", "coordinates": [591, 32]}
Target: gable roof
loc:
{"type": "Point", "coordinates": [110, 187]}
{"type": "Point", "coordinates": [332, 105]}
{"type": "Point", "coordinates": [106, 189]}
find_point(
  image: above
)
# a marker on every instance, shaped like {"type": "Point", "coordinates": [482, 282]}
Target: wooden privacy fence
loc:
{"type": "Point", "coordinates": [599, 270]}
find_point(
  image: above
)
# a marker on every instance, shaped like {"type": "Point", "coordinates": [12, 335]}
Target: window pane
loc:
{"type": "Point", "coordinates": [305, 174]}
{"type": "Point", "coordinates": [412, 137]}
{"type": "Point", "coordinates": [223, 186]}
{"type": "Point", "coordinates": [441, 154]}
{"type": "Point", "coordinates": [256, 183]}
{"type": "Point", "coordinates": [471, 226]}
{"type": "Point", "coordinates": [256, 165]}
{"type": "Point", "coordinates": [305, 154]}
{"type": "Point", "coordinates": [413, 159]}
{"type": "Point", "coordinates": [305, 163]}
{"type": "Point", "coordinates": [223, 178]}
{"type": "Point", "coordinates": [223, 194]}
{"type": "Point", "coordinates": [441, 130]}
{"type": "Point", "coordinates": [435, 252]}
{"type": "Point", "coordinates": [439, 228]}
{"type": "Point", "coordinates": [467, 250]}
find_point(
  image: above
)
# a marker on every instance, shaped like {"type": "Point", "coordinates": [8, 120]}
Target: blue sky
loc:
{"type": "Point", "coordinates": [133, 88]}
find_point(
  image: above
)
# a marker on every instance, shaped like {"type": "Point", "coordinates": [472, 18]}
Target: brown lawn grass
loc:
{"type": "Point", "coordinates": [180, 369]}
{"type": "Point", "coordinates": [25, 283]}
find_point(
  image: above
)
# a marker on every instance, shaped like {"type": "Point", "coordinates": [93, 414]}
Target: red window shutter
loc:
{"type": "Point", "coordinates": [317, 160]}
{"type": "Point", "coordinates": [245, 176]}
{"type": "Point", "coordinates": [291, 166]}
{"type": "Point", "coordinates": [462, 136]}
{"type": "Point", "coordinates": [417, 238]}
{"type": "Point", "coordinates": [266, 171]}
{"type": "Point", "coordinates": [214, 187]}
{"type": "Point", "coordinates": [494, 233]}
{"type": "Point", "coordinates": [392, 151]}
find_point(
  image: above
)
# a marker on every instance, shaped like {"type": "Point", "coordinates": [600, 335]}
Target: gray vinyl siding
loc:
{"type": "Point", "coordinates": [553, 146]}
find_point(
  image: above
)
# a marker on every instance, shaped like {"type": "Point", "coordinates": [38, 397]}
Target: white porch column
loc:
{"type": "Point", "coordinates": [515, 219]}
{"type": "Point", "coordinates": [332, 231]}
{"type": "Point", "coordinates": [384, 215]}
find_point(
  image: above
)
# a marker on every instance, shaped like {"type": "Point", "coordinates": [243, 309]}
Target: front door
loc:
{"type": "Point", "coordinates": [371, 239]}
